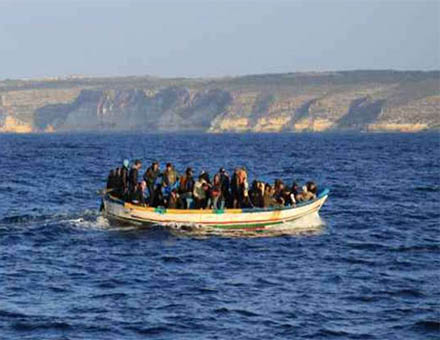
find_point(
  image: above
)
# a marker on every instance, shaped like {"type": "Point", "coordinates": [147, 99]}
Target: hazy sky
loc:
{"type": "Point", "coordinates": [215, 38]}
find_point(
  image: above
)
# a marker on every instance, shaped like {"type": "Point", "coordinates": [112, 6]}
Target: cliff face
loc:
{"type": "Point", "coordinates": [357, 100]}
{"type": "Point", "coordinates": [169, 109]}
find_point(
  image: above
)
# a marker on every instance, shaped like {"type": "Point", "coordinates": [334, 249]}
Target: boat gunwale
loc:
{"type": "Point", "coordinates": [162, 210]}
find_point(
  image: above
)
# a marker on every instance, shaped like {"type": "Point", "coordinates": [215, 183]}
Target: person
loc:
{"type": "Point", "coordinates": [313, 188]}
{"type": "Point", "coordinates": [159, 198]}
{"type": "Point", "coordinates": [174, 201]}
{"type": "Point", "coordinates": [235, 188]}
{"type": "Point", "coordinates": [170, 176]}
{"type": "Point", "coordinates": [138, 195]}
{"type": "Point", "coordinates": [246, 202]}
{"type": "Point", "coordinates": [269, 201]}
{"type": "Point", "coordinates": [207, 201]}
{"type": "Point", "coordinates": [199, 193]}
{"type": "Point", "coordinates": [186, 188]}
{"type": "Point", "coordinates": [133, 175]}
{"type": "Point", "coordinates": [308, 192]}
{"type": "Point", "coordinates": [117, 183]}
{"type": "Point", "coordinates": [278, 191]}
{"type": "Point", "coordinates": [243, 188]}
{"type": "Point", "coordinates": [256, 194]}
{"type": "Point", "coordinates": [111, 185]}
{"type": "Point", "coordinates": [150, 177]}
{"type": "Point", "coordinates": [295, 190]}
{"type": "Point", "coordinates": [225, 185]}
{"type": "Point", "coordinates": [124, 179]}
{"type": "Point", "coordinates": [205, 176]}
{"type": "Point", "coordinates": [288, 197]}
{"type": "Point", "coordinates": [217, 199]}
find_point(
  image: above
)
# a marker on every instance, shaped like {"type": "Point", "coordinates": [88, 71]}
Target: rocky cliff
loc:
{"type": "Point", "coordinates": [355, 100]}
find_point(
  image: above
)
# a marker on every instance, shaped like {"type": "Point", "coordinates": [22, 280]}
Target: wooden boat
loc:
{"type": "Point", "coordinates": [254, 219]}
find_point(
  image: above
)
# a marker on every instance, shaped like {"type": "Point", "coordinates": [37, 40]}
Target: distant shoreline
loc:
{"type": "Point", "coordinates": [368, 101]}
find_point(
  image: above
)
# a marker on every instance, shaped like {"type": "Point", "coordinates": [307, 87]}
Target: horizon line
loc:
{"type": "Point", "coordinates": [77, 76]}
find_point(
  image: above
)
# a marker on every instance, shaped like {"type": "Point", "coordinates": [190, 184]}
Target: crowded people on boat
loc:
{"type": "Point", "coordinates": [169, 189]}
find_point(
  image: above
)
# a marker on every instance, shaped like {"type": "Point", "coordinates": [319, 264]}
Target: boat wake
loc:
{"type": "Point", "coordinates": [93, 220]}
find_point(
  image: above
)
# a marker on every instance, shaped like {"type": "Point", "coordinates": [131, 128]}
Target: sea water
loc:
{"type": "Point", "coordinates": [369, 271]}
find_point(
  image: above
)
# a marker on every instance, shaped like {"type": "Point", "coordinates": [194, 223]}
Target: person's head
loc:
{"type": "Point", "coordinates": [137, 163]}
{"type": "Point", "coordinates": [126, 163]}
{"type": "Point", "coordinates": [278, 183]}
{"type": "Point", "coordinates": [189, 171]}
{"type": "Point", "coordinates": [311, 187]}
{"type": "Point", "coordinates": [268, 188]}
{"type": "Point", "coordinates": [118, 171]}
{"type": "Point", "coordinates": [254, 185]}
{"type": "Point", "coordinates": [295, 187]}
{"type": "Point", "coordinates": [216, 179]}
{"type": "Point", "coordinates": [155, 165]}
{"type": "Point", "coordinates": [169, 166]}
{"type": "Point", "coordinates": [221, 170]}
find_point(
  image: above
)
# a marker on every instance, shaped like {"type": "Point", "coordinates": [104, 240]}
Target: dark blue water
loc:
{"type": "Point", "coordinates": [371, 273]}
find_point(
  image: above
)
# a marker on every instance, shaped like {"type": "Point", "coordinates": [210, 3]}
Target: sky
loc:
{"type": "Point", "coordinates": [208, 38]}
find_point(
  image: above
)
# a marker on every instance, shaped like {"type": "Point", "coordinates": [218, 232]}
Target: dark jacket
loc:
{"type": "Point", "coordinates": [235, 186]}
{"type": "Point", "coordinates": [124, 179]}
{"type": "Point", "coordinates": [111, 180]}
{"type": "Point", "coordinates": [118, 183]}
{"type": "Point", "coordinates": [150, 176]}
{"type": "Point", "coordinates": [133, 179]}
{"type": "Point", "coordinates": [225, 184]}
{"type": "Point", "coordinates": [158, 198]}
{"type": "Point", "coordinates": [256, 198]}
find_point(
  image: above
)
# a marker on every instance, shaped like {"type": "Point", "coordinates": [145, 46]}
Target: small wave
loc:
{"type": "Point", "coordinates": [27, 218]}
{"type": "Point", "coordinates": [266, 282]}
{"type": "Point", "coordinates": [4, 313]}
{"type": "Point", "coordinates": [157, 330]}
{"type": "Point", "coordinates": [243, 312]}
{"type": "Point", "coordinates": [434, 188]}
{"type": "Point", "coordinates": [427, 326]}
{"type": "Point", "coordinates": [341, 334]}
{"type": "Point", "coordinates": [407, 293]}
{"type": "Point", "coordinates": [26, 326]}
{"type": "Point", "coordinates": [172, 259]}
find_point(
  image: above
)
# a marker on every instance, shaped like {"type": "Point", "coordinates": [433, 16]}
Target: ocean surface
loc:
{"type": "Point", "coordinates": [372, 272]}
